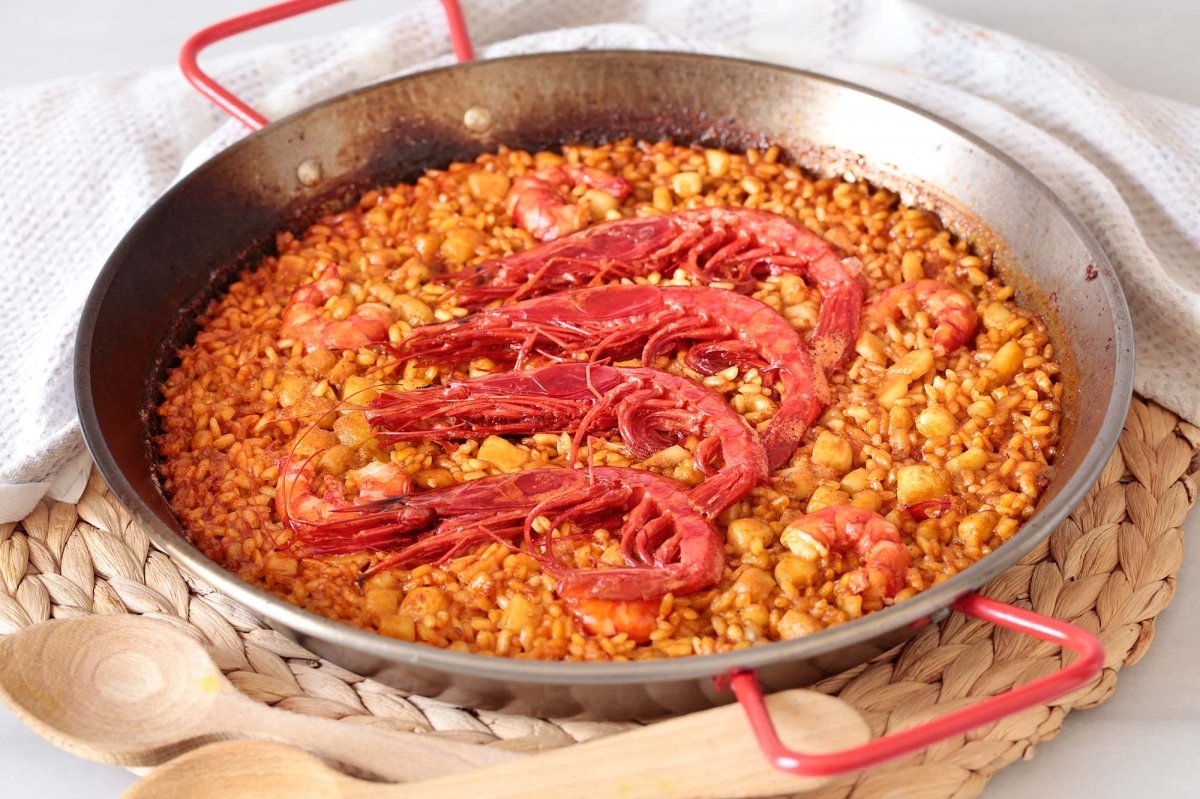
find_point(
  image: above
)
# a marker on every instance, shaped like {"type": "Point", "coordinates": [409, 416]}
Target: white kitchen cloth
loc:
{"type": "Point", "coordinates": [84, 157]}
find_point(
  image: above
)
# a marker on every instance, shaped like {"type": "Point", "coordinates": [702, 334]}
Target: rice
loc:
{"type": "Point", "coordinates": [983, 420]}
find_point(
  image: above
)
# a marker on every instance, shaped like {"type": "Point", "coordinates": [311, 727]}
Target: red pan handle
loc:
{"type": "Point", "coordinates": [237, 109]}
{"type": "Point", "coordinates": [1082, 671]}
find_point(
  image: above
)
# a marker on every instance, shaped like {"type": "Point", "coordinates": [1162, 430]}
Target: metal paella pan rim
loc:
{"type": "Point", "coordinates": [333, 131]}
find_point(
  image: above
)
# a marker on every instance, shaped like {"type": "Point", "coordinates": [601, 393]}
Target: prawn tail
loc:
{"type": "Point", "coordinates": [836, 331]}
{"type": "Point", "coordinates": [721, 490]}
{"type": "Point", "coordinates": [792, 420]}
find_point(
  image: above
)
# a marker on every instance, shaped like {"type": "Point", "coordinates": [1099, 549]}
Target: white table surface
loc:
{"type": "Point", "coordinates": [1145, 741]}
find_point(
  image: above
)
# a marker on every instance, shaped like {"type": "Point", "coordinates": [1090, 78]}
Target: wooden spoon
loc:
{"type": "Point", "coordinates": [707, 754]}
{"type": "Point", "coordinates": [138, 692]}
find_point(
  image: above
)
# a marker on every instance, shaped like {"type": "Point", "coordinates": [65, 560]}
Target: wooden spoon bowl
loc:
{"type": "Point", "coordinates": [138, 691]}
{"type": "Point", "coordinates": [102, 693]}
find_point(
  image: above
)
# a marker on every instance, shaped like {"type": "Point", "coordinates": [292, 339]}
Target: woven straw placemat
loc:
{"type": "Point", "coordinates": [1109, 568]}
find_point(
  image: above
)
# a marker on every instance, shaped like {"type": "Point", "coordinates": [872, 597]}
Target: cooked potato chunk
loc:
{"type": "Point", "coordinates": [743, 533]}
{"type": "Point", "coordinates": [971, 460]}
{"type": "Point", "coordinates": [920, 482]}
{"type": "Point", "coordinates": [488, 186]}
{"type": "Point", "coordinates": [892, 390]}
{"type": "Point", "coordinates": [754, 583]}
{"type": "Point", "coordinates": [503, 455]}
{"type": "Point", "coordinates": [794, 574]}
{"type": "Point", "coordinates": [856, 481]}
{"type": "Point", "coordinates": [687, 184]}
{"type": "Point", "coordinates": [936, 422]}
{"type": "Point", "coordinates": [825, 496]}
{"type": "Point", "coordinates": [520, 613]}
{"type": "Point", "coordinates": [976, 529]}
{"type": "Point", "coordinates": [915, 364]}
{"type": "Point", "coordinates": [424, 601]}
{"type": "Point", "coordinates": [796, 624]}
{"type": "Point", "coordinates": [1006, 361]}
{"type": "Point", "coordinates": [833, 451]}
{"type": "Point", "coordinates": [383, 601]}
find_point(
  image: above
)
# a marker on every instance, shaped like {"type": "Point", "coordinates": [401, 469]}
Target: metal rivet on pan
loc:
{"type": "Point", "coordinates": [477, 119]}
{"type": "Point", "coordinates": [309, 172]}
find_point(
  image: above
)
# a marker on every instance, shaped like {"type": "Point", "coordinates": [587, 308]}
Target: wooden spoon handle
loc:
{"type": "Point", "coordinates": [249, 770]}
{"type": "Point", "coordinates": [392, 755]}
{"type": "Point", "coordinates": [708, 754]}
{"type": "Point", "coordinates": [712, 753]}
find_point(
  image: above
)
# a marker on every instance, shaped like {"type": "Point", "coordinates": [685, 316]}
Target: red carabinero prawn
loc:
{"type": "Point", "coordinates": [666, 544]}
{"type": "Point", "coordinates": [650, 408]}
{"type": "Point", "coordinates": [624, 321]}
{"type": "Point", "coordinates": [724, 244]}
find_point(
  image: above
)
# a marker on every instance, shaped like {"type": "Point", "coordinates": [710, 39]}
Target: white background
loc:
{"type": "Point", "coordinates": [1143, 742]}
